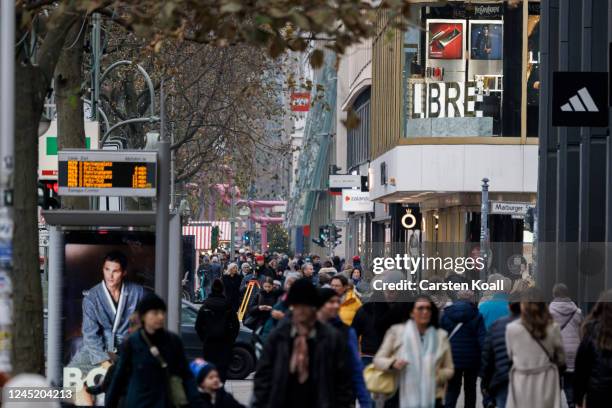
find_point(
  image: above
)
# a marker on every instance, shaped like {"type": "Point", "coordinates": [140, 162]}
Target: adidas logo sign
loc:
{"type": "Point", "coordinates": [581, 102]}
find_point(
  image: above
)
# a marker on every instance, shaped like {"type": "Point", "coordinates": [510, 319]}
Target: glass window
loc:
{"type": "Point", "coordinates": [533, 69]}
{"type": "Point", "coordinates": [461, 76]}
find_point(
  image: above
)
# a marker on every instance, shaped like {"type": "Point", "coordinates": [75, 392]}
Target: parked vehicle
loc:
{"type": "Point", "coordinates": [243, 353]}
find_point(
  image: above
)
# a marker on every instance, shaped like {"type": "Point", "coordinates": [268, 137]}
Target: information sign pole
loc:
{"type": "Point", "coordinates": [162, 227]}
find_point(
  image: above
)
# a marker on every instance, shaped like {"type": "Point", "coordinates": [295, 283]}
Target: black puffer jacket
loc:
{"type": "Point", "coordinates": [593, 372]}
{"type": "Point", "coordinates": [495, 363]}
{"type": "Point", "coordinates": [467, 342]}
{"type": "Point", "coordinates": [328, 370]}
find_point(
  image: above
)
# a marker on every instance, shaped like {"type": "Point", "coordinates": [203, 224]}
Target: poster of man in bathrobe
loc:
{"type": "Point", "coordinates": [105, 277]}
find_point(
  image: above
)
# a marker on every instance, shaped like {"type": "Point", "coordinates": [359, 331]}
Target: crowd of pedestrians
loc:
{"type": "Point", "coordinates": [431, 348]}
{"type": "Point", "coordinates": [328, 340]}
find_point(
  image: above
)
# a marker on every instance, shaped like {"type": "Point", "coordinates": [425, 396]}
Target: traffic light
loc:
{"type": "Point", "coordinates": [47, 195]}
{"type": "Point", "coordinates": [324, 233]}
{"type": "Point", "coordinates": [324, 236]}
{"type": "Point", "coordinates": [336, 235]}
{"type": "Point", "coordinates": [319, 242]}
{"type": "Point", "coordinates": [246, 238]}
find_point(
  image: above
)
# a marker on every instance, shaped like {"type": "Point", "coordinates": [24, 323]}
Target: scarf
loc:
{"type": "Point", "coordinates": [418, 378]}
{"type": "Point", "coordinates": [298, 363]}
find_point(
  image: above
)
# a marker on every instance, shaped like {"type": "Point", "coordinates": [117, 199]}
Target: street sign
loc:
{"type": "Point", "coordinates": [43, 237]}
{"type": "Point", "coordinates": [580, 99]}
{"type": "Point", "coordinates": [47, 148]}
{"type": "Point", "coordinates": [107, 173]}
{"type": "Point", "coordinates": [510, 208]}
{"type": "Point", "coordinates": [300, 101]}
{"type": "Point", "coordinates": [356, 201]}
{"type": "Point", "coordinates": [344, 180]}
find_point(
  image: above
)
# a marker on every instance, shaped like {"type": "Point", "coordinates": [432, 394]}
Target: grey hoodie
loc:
{"type": "Point", "coordinates": [569, 318]}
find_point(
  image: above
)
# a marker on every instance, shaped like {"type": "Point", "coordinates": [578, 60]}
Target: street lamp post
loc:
{"type": "Point", "coordinates": [7, 148]}
{"type": "Point", "coordinates": [484, 225]}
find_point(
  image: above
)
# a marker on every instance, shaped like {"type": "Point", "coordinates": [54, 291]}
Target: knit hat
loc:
{"type": "Point", "coordinates": [217, 286]}
{"type": "Point", "coordinates": [150, 302]}
{"type": "Point", "coordinates": [325, 294]}
{"type": "Point", "coordinates": [245, 265]}
{"type": "Point", "coordinates": [201, 369]}
{"type": "Point", "coordinates": [259, 258]}
{"type": "Point", "coordinates": [356, 258]}
{"type": "Point", "coordinates": [303, 292]}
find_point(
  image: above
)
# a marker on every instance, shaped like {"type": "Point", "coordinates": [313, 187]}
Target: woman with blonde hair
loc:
{"type": "Point", "coordinates": [231, 282]}
{"type": "Point", "coordinates": [536, 352]}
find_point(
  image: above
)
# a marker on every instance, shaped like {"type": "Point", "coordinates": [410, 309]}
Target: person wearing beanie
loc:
{"type": "Point", "coordinates": [262, 268]}
{"type": "Point", "coordinates": [328, 313]}
{"type": "Point", "coordinates": [147, 358]}
{"type": "Point", "coordinates": [210, 387]}
{"type": "Point", "coordinates": [217, 326]}
{"type": "Point", "coordinates": [303, 362]}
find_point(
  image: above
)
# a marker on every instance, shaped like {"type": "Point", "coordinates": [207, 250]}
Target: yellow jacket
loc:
{"type": "Point", "coordinates": [349, 307]}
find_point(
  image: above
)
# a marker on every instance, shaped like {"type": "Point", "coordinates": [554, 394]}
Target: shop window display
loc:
{"type": "Point", "coordinates": [462, 72]}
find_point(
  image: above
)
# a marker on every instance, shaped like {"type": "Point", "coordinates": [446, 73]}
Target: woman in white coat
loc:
{"type": "Point", "coordinates": [536, 351]}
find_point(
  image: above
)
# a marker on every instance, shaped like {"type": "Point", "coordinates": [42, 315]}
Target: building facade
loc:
{"type": "Point", "coordinates": [455, 99]}
{"type": "Point", "coordinates": [575, 163]}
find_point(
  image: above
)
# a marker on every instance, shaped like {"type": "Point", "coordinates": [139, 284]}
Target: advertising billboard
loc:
{"type": "Point", "coordinates": [356, 201]}
{"type": "Point", "coordinates": [105, 276]}
{"type": "Point", "coordinates": [445, 39]}
{"type": "Point", "coordinates": [486, 40]}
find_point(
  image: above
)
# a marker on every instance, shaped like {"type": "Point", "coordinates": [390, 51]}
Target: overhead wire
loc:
{"type": "Point", "coordinates": [79, 34]}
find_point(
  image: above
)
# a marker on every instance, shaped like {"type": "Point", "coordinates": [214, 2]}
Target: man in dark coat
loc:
{"type": "Point", "coordinates": [303, 363]}
{"type": "Point", "coordinates": [372, 321]}
{"type": "Point", "coordinates": [495, 363]}
{"type": "Point", "coordinates": [217, 326]}
{"type": "Point", "coordinates": [139, 374]}
{"type": "Point", "coordinates": [466, 330]}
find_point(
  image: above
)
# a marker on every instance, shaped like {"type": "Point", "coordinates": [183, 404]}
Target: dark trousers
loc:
{"type": "Point", "coordinates": [567, 380]}
{"type": "Point", "coordinates": [220, 355]}
{"type": "Point", "coordinates": [468, 377]}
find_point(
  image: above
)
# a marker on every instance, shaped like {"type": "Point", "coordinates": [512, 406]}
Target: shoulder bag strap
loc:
{"type": "Point", "coordinates": [543, 348]}
{"type": "Point", "coordinates": [455, 330]}
{"type": "Point", "coordinates": [568, 320]}
{"type": "Point", "coordinates": [153, 349]}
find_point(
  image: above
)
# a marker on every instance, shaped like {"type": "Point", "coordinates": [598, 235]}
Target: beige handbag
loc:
{"type": "Point", "coordinates": [380, 381]}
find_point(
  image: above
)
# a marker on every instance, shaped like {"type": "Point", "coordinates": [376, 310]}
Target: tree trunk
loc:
{"type": "Point", "coordinates": [27, 344]}
{"type": "Point", "coordinates": [70, 121]}
{"type": "Point", "coordinates": [31, 85]}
